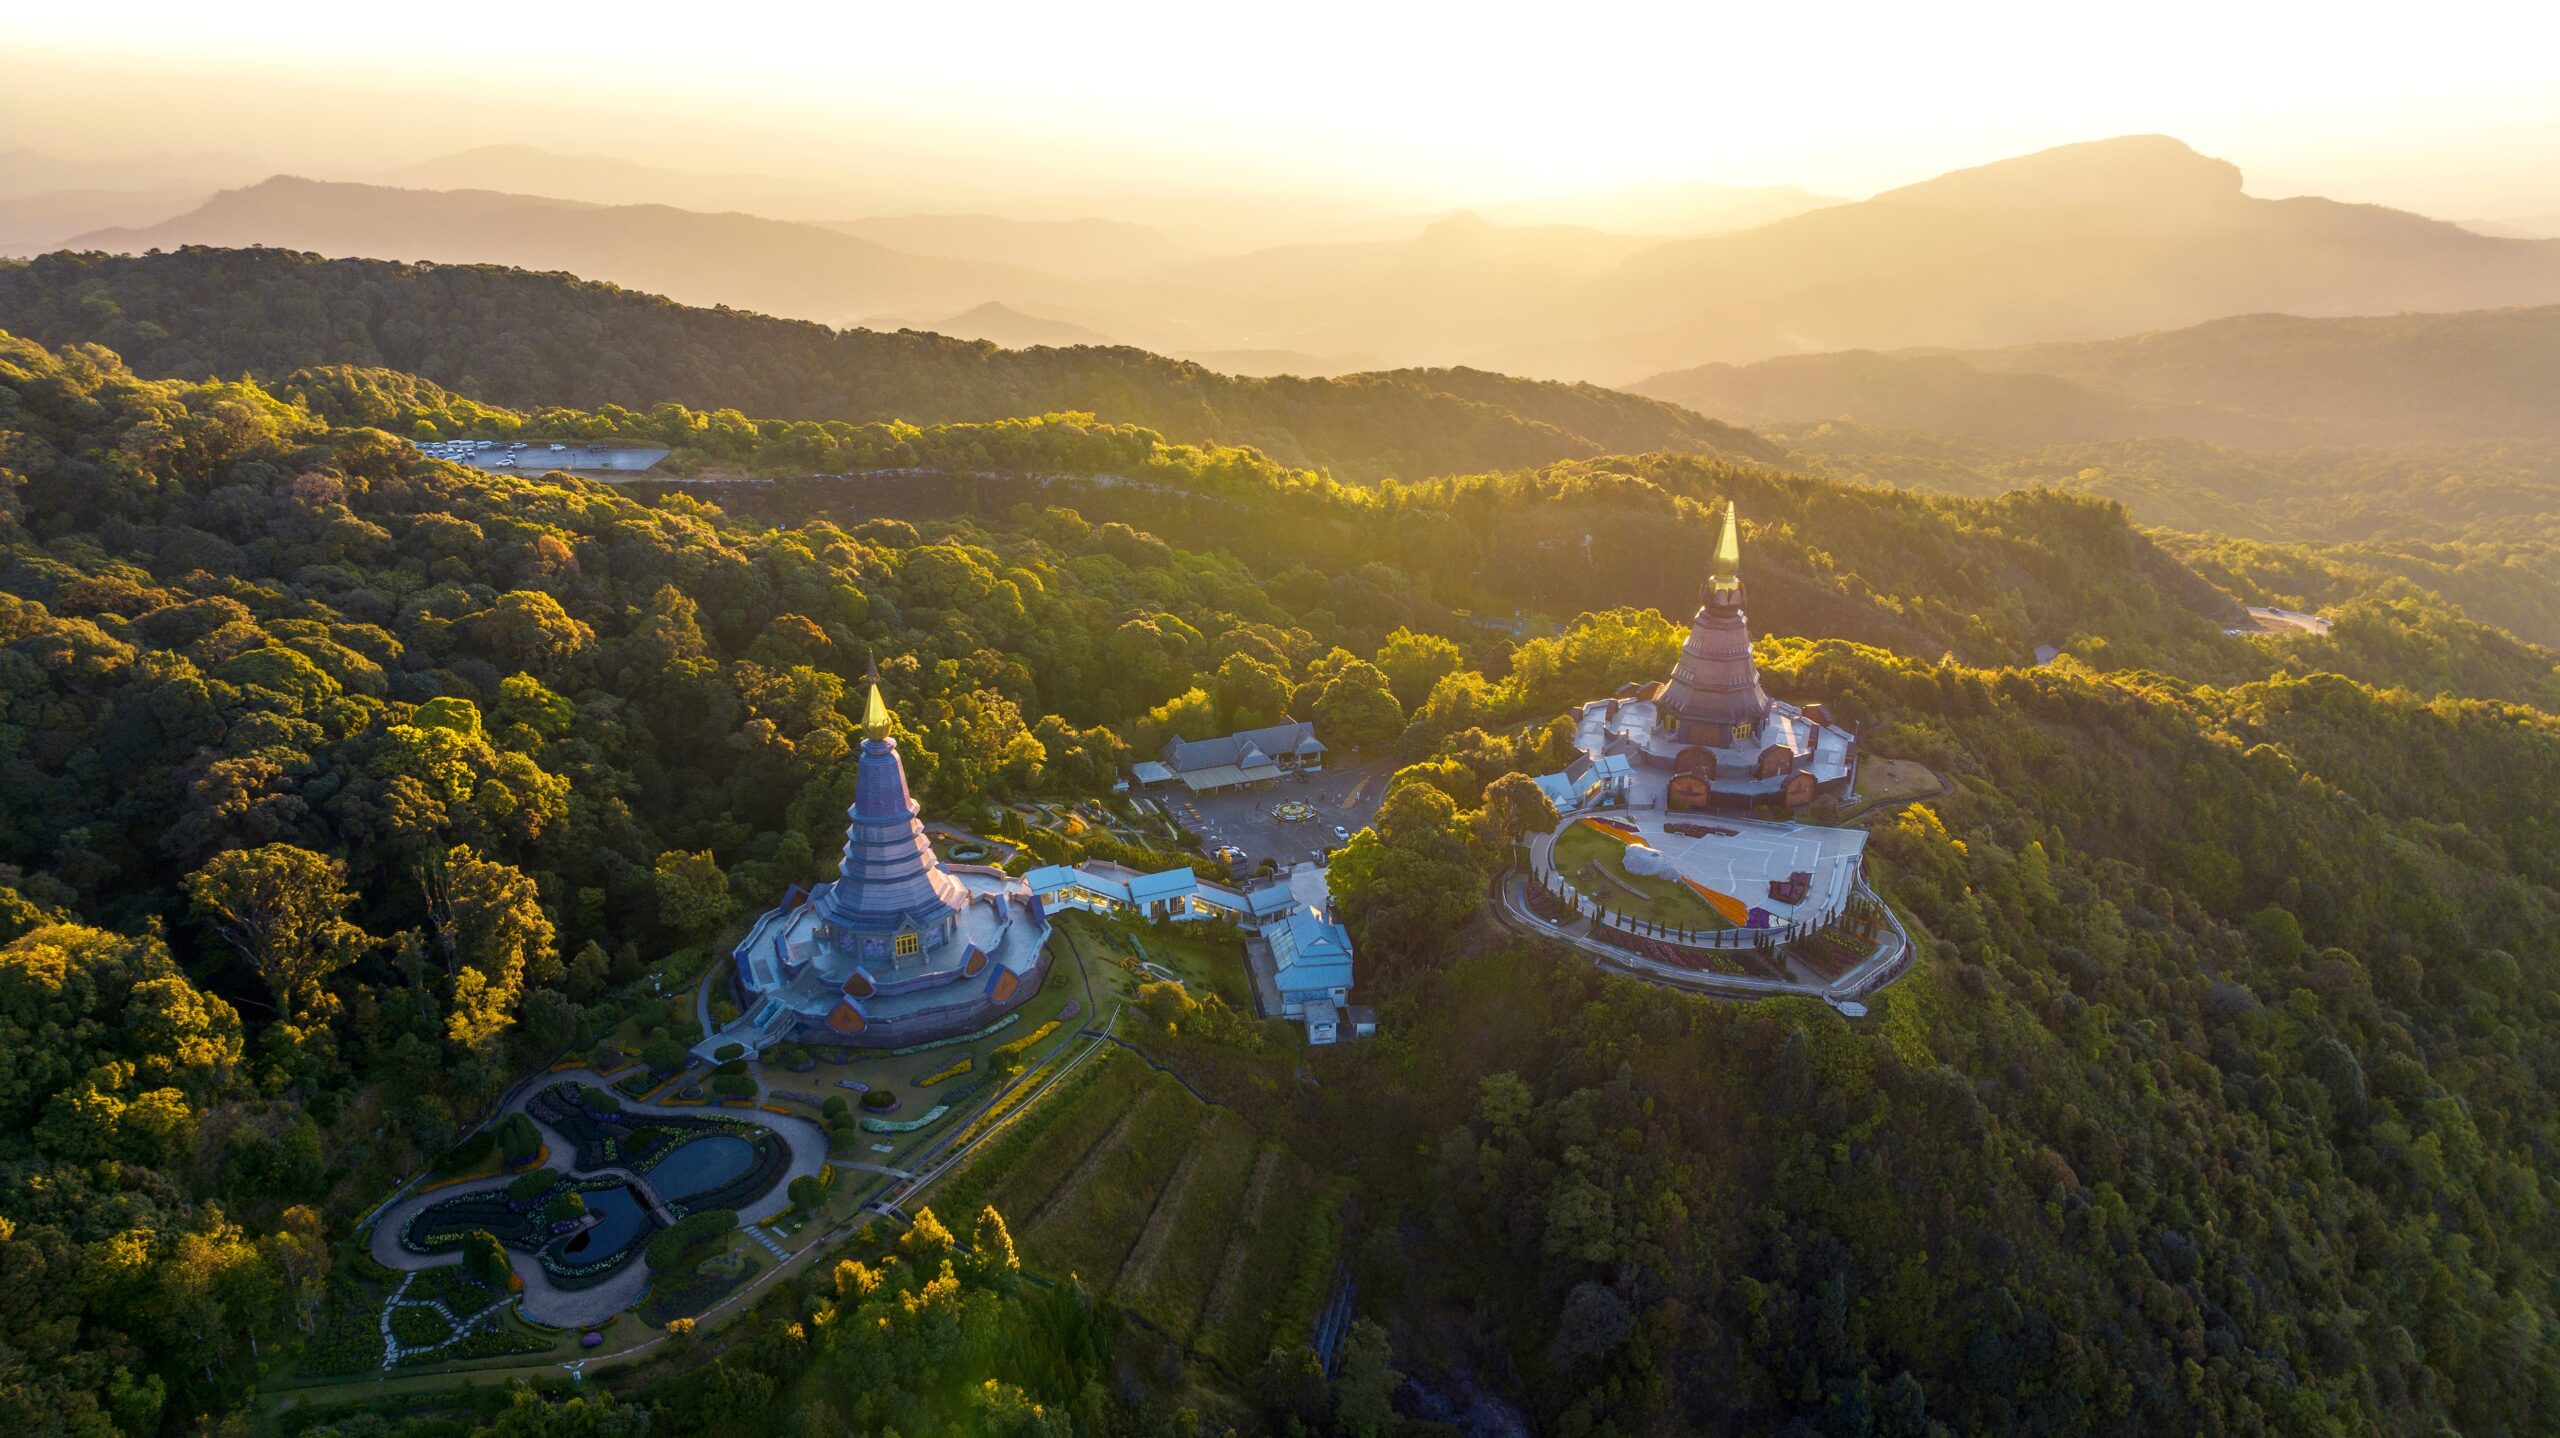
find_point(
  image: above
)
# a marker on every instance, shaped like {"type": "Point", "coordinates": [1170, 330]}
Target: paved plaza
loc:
{"type": "Point", "coordinates": [1346, 797]}
{"type": "Point", "coordinates": [1744, 863]}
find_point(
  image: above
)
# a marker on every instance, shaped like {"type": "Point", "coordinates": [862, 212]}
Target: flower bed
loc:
{"type": "Point", "coordinates": [1007, 1050]}
{"type": "Point", "coordinates": [884, 1125]}
{"type": "Point", "coordinates": [996, 1027]}
{"type": "Point", "coordinates": [944, 1074]}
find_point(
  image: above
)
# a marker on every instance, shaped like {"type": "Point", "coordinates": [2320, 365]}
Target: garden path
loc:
{"type": "Point", "coordinates": [545, 1301]}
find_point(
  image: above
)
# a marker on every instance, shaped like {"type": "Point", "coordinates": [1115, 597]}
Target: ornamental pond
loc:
{"type": "Point", "coordinates": [628, 1176]}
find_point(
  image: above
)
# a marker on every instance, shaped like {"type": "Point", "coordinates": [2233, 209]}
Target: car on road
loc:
{"type": "Point", "coordinates": [1342, 833]}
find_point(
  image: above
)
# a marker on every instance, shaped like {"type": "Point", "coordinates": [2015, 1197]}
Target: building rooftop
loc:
{"type": "Point", "coordinates": [1245, 749]}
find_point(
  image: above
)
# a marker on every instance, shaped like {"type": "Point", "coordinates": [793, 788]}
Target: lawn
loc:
{"type": "Point", "coordinates": [1206, 959]}
{"type": "Point", "coordinates": [1882, 781]}
{"type": "Point", "coordinates": [1662, 901]}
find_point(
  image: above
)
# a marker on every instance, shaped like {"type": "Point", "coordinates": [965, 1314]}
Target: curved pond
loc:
{"type": "Point", "coordinates": [700, 1165]}
{"type": "Point", "coordinates": [620, 1220]}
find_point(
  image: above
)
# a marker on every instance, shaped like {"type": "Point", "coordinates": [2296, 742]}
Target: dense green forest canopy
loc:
{"type": "Point", "coordinates": [528, 340]}
{"type": "Point", "coordinates": [2221, 1098]}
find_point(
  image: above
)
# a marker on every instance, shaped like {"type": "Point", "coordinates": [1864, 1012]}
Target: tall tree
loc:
{"type": "Point", "coordinates": [490, 926]}
{"type": "Point", "coordinates": [284, 908]}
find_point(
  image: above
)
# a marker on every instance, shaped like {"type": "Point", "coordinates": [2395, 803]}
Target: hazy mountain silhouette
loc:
{"type": "Point", "coordinates": [1004, 325]}
{"type": "Point", "coordinates": [2082, 242]}
{"type": "Point", "coordinates": [2079, 242]}
{"type": "Point", "coordinates": [775, 266]}
{"type": "Point", "coordinates": [1075, 248]}
{"type": "Point", "coordinates": [2254, 381]}
{"type": "Point", "coordinates": [1666, 207]}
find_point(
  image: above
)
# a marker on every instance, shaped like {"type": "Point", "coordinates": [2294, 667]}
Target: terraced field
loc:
{"type": "Point", "coordinates": [1213, 1237]}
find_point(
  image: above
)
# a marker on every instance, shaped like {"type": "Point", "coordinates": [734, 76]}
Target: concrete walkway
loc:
{"type": "Point", "coordinates": [545, 1301]}
{"type": "Point", "coordinates": [1885, 963]}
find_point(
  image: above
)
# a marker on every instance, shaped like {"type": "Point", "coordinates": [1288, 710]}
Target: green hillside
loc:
{"type": "Point", "coordinates": [527, 340]}
{"type": "Point", "coordinates": [2265, 382]}
{"type": "Point", "coordinates": [2219, 1098]}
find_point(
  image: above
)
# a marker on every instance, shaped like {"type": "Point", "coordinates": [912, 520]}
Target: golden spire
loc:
{"type": "Point", "coordinates": [875, 714]}
{"type": "Point", "coordinates": [1728, 570]}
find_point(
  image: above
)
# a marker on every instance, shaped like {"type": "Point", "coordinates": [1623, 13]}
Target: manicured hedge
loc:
{"type": "Point", "coordinates": [672, 1247]}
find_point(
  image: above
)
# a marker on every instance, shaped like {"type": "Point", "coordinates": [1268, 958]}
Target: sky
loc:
{"type": "Point", "coordinates": [2449, 110]}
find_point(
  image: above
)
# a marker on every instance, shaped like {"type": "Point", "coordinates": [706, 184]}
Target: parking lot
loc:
{"type": "Point", "coordinates": [1341, 797]}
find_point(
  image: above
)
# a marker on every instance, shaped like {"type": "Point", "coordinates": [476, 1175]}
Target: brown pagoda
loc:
{"type": "Point", "coordinates": [1713, 696]}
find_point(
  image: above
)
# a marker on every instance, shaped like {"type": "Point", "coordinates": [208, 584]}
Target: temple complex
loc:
{"type": "Point", "coordinates": [1678, 858]}
{"type": "Point", "coordinates": [1708, 736]}
{"type": "Point", "coordinates": [899, 948]}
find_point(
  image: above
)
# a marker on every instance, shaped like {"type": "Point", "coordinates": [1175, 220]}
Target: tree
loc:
{"type": "Point", "coordinates": [1364, 1396]}
{"type": "Point", "coordinates": [284, 909]}
{"type": "Point", "coordinates": [1413, 663]}
{"type": "Point", "coordinates": [485, 1259]}
{"type": "Point", "coordinates": [1249, 693]}
{"type": "Point", "coordinates": [991, 1243]}
{"type": "Point", "coordinates": [807, 1193]}
{"type": "Point", "coordinates": [490, 927]}
{"type": "Point", "coordinates": [1515, 807]}
{"type": "Point", "coordinates": [693, 893]}
{"type": "Point", "coordinates": [1356, 707]}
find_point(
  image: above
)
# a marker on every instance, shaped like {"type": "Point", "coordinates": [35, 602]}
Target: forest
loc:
{"type": "Point", "coordinates": [530, 340]}
{"type": "Point", "coordinates": [339, 785]}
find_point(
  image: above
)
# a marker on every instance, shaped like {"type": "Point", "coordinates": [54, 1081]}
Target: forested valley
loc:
{"type": "Point", "coordinates": [340, 785]}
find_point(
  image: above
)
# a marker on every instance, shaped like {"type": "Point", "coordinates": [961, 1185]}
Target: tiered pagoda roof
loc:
{"type": "Point", "coordinates": [890, 879]}
{"type": "Point", "coordinates": [1715, 682]}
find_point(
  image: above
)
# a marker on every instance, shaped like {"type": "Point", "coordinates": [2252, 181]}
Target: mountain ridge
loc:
{"type": "Point", "coordinates": [527, 340]}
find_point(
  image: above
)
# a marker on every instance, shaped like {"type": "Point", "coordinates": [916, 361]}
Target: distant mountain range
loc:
{"type": "Point", "coordinates": [2078, 243]}
{"type": "Point", "coordinates": [2081, 242]}
{"type": "Point", "coordinates": [526, 340]}
{"type": "Point", "coordinates": [774, 266]}
{"type": "Point", "coordinates": [2251, 381]}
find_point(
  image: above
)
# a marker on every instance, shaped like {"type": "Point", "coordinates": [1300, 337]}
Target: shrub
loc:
{"type": "Point", "coordinates": [734, 1086]}
{"type": "Point", "coordinates": [518, 1140]}
{"type": "Point", "coordinates": [728, 1051]}
{"type": "Point", "coordinates": [835, 1107]}
{"type": "Point", "coordinates": [691, 1233]}
{"type": "Point", "coordinates": [663, 1054]}
{"type": "Point", "coordinates": [532, 1184]}
{"type": "Point", "coordinates": [466, 1155]}
{"type": "Point", "coordinates": [598, 1100]}
{"type": "Point", "coordinates": [606, 1056]}
{"type": "Point", "coordinates": [484, 1258]}
{"type": "Point", "coordinates": [807, 1192]}
{"type": "Point", "coordinates": [880, 1100]}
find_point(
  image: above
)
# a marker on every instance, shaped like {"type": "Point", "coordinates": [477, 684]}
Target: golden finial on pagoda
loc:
{"type": "Point", "coordinates": [1728, 570]}
{"type": "Point", "coordinates": [875, 713]}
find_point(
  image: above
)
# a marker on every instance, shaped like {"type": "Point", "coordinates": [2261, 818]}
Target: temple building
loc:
{"type": "Point", "coordinates": [898, 948]}
{"type": "Point", "coordinates": [1708, 736]}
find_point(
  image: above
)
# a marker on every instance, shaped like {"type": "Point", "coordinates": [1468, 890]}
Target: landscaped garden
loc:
{"type": "Point", "coordinates": [583, 1225]}
{"type": "Point", "coordinates": [1593, 860]}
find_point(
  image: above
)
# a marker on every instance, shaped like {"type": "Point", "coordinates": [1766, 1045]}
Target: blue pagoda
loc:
{"type": "Point", "coordinates": [899, 947]}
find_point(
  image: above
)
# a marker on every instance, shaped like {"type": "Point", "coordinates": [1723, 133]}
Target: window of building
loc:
{"type": "Point", "coordinates": [909, 945]}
